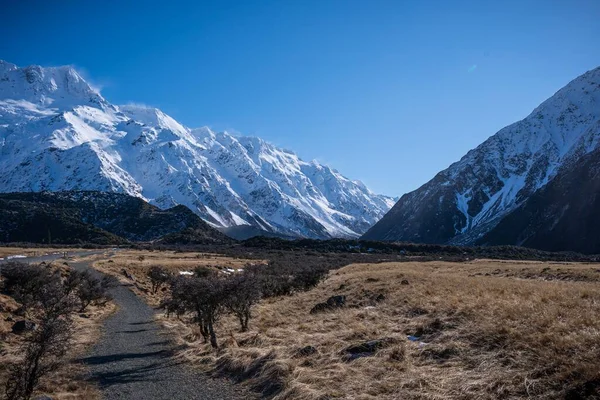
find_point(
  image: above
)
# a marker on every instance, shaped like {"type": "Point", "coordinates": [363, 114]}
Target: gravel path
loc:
{"type": "Point", "coordinates": [133, 358]}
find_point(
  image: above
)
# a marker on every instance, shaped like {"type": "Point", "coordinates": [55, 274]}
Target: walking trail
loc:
{"type": "Point", "coordinates": [133, 358]}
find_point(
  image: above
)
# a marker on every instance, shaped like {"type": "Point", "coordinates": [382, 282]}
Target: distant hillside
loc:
{"type": "Point", "coordinates": [243, 232]}
{"type": "Point", "coordinates": [95, 217]}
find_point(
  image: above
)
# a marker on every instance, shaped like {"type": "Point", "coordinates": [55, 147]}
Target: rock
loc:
{"type": "Point", "coordinates": [404, 282]}
{"type": "Point", "coordinates": [367, 349]}
{"type": "Point", "coordinates": [332, 303]}
{"type": "Point", "coordinates": [320, 307]}
{"type": "Point", "coordinates": [336, 301]}
{"type": "Point", "coordinates": [305, 351]}
{"type": "Point", "coordinates": [21, 311]}
{"type": "Point", "coordinates": [23, 326]}
{"type": "Point", "coordinates": [127, 274]}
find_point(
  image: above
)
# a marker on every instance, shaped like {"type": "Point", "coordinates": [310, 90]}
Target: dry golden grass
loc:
{"type": "Point", "coordinates": [68, 382]}
{"type": "Point", "coordinates": [483, 334]}
{"type": "Point", "coordinates": [138, 262]}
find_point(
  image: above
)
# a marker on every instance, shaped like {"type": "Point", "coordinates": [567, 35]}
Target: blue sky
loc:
{"type": "Point", "coordinates": [388, 92]}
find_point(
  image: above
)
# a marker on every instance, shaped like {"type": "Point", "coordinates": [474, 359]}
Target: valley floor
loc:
{"type": "Point", "coordinates": [480, 329]}
{"type": "Point", "coordinates": [483, 329]}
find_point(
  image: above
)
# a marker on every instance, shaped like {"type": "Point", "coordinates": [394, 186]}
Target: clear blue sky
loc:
{"type": "Point", "coordinates": [389, 92]}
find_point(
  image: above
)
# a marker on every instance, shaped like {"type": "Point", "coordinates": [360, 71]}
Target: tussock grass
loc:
{"type": "Point", "coordinates": [481, 334]}
{"type": "Point", "coordinates": [138, 262]}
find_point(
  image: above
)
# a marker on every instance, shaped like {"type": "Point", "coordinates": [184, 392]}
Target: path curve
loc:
{"type": "Point", "coordinates": [133, 357]}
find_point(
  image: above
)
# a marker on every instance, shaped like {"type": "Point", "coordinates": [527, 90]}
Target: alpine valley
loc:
{"type": "Point", "coordinates": [57, 133]}
{"type": "Point", "coordinates": [534, 183]}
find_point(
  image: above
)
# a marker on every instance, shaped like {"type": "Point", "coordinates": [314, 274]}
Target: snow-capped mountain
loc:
{"type": "Point", "coordinates": [465, 203]}
{"type": "Point", "coordinates": [59, 133]}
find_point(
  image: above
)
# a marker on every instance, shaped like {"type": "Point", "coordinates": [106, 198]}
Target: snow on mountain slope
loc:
{"type": "Point", "coordinates": [467, 200]}
{"type": "Point", "coordinates": [58, 133]}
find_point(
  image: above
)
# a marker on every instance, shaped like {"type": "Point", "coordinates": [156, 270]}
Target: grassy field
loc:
{"type": "Point", "coordinates": [481, 330]}
{"type": "Point", "coordinates": [484, 329]}
{"type": "Point", "coordinates": [67, 382]}
{"type": "Point", "coordinates": [138, 262]}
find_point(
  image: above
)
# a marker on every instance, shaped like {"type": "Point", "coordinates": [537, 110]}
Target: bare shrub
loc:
{"type": "Point", "coordinates": [26, 283]}
{"type": "Point", "coordinates": [52, 305]}
{"type": "Point", "coordinates": [90, 290]}
{"type": "Point", "coordinates": [203, 271]}
{"type": "Point", "coordinates": [242, 292]}
{"type": "Point", "coordinates": [43, 351]}
{"type": "Point", "coordinates": [287, 275]}
{"type": "Point", "coordinates": [158, 276]}
{"type": "Point", "coordinates": [204, 298]}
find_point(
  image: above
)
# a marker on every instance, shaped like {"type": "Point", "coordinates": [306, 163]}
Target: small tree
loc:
{"type": "Point", "coordinates": [43, 352]}
{"type": "Point", "coordinates": [89, 289]}
{"type": "Point", "coordinates": [28, 284]}
{"type": "Point", "coordinates": [204, 297]}
{"type": "Point", "coordinates": [44, 348]}
{"type": "Point", "coordinates": [242, 291]}
{"type": "Point", "coordinates": [158, 276]}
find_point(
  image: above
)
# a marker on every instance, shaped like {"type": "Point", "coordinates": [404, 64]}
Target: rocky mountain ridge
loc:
{"type": "Point", "coordinates": [468, 202]}
{"type": "Point", "coordinates": [58, 133]}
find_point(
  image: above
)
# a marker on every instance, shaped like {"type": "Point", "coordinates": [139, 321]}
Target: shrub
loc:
{"type": "Point", "coordinates": [202, 271]}
{"type": "Point", "coordinates": [158, 276]}
{"type": "Point", "coordinates": [242, 291]}
{"type": "Point", "coordinates": [88, 289]}
{"type": "Point", "coordinates": [31, 284]}
{"type": "Point", "coordinates": [43, 352]}
{"type": "Point", "coordinates": [202, 297]}
{"type": "Point", "coordinates": [53, 301]}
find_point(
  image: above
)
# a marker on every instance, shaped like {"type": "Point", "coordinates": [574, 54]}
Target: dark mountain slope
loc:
{"type": "Point", "coordinates": [22, 220]}
{"type": "Point", "coordinates": [464, 203]}
{"type": "Point", "coordinates": [97, 217]}
{"type": "Point", "coordinates": [564, 215]}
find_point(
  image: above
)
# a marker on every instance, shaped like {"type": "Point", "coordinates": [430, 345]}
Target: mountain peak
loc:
{"type": "Point", "coordinates": [66, 142]}
{"type": "Point", "coordinates": [153, 117]}
{"type": "Point", "coordinates": [466, 201]}
{"type": "Point", "coordinates": [57, 87]}
{"type": "Point", "coordinates": [5, 66]}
